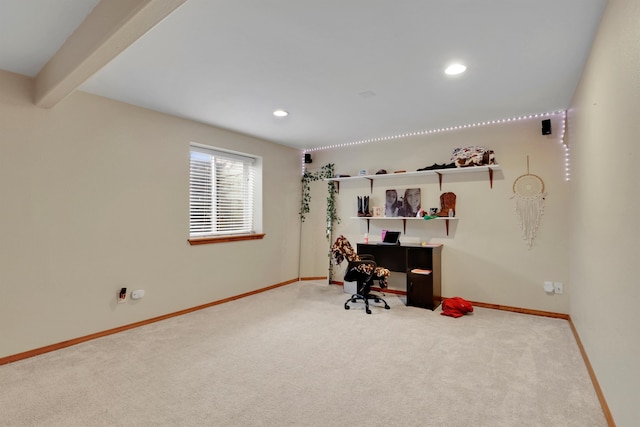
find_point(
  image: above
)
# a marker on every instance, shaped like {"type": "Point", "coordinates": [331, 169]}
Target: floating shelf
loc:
{"type": "Point", "coordinates": [404, 220]}
{"type": "Point", "coordinates": [439, 172]}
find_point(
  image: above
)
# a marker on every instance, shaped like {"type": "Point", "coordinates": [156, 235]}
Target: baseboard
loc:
{"type": "Point", "coordinates": [477, 303]}
{"type": "Point", "coordinates": [314, 278]}
{"type": "Point", "coordinates": [520, 310]}
{"type": "Point", "coordinates": [74, 341]}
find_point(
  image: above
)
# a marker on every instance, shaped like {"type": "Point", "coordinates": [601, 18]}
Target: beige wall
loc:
{"type": "Point", "coordinates": [95, 197]}
{"type": "Point", "coordinates": [604, 129]}
{"type": "Point", "coordinates": [484, 258]}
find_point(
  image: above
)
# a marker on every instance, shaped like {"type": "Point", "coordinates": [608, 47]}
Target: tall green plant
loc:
{"type": "Point", "coordinates": [325, 172]}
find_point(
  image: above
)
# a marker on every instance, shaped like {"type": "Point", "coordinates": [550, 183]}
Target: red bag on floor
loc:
{"type": "Point", "coordinates": [456, 307]}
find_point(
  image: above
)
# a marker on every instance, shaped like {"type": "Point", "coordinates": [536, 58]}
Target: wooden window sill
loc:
{"type": "Point", "coordinates": [224, 239]}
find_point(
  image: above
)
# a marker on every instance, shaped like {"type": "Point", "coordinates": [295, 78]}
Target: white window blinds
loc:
{"type": "Point", "coordinates": [221, 193]}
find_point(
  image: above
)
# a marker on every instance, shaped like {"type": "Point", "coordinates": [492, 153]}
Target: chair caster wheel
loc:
{"type": "Point", "coordinates": [368, 311]}
{"type": "Point", "coordinates": [376, 300]}
{"type": "Point", "coordinates": [346, 307]}
{"type": "Point", "coordinates": [387, 307]}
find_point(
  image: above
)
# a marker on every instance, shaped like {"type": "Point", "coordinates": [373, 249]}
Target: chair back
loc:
{"type": "Point", "coordinates": [342, 250]}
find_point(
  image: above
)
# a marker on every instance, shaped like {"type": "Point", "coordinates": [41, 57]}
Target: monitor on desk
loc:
{"type": "Point", "coordinates": [391, 238]}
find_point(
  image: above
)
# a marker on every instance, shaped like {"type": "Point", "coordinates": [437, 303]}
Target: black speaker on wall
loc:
{"type": "Point", "coordinates": [546, 127]}
{"type": "Point", "coordinates": [307, 158]}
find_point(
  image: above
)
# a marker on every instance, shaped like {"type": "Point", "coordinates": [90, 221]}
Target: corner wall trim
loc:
{"type": "Point", "coordinates": [79, 340]}
{"type": "Point", "coordinates": [596, 385]}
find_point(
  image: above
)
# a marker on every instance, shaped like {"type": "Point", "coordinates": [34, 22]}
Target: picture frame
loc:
{"type": "Point", "coordinates": [402, 202]}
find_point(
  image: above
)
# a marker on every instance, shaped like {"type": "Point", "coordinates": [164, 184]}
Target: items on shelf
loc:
{"type": "Point", "coordinates": [424, 215]}
{"type": "Point", "coordinates": [439, 172]}
{"type": "Point", "coordinates": [473, 156]}
{"type": "Point", "coordinates": [436, 166]}
{"type": "Point", "coordinates": [460, 158]}
{"type": "Point", "coordinates": [448, 205]}
{"type": "Point", "coordinates": [403, 203]}
{"type": "Point", "coordinates": [363, 206]}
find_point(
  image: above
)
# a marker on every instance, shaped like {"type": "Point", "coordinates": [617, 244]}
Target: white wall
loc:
{"type": "Point", "coordinates": [485, 258]}
{"type": "Point", "coordinates": [604, 134]}
{"type": "Point", "coordinates": [95, 197]}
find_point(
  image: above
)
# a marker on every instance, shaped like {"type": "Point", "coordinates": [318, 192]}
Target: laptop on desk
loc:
{"type": "Point", "coordinates": [391, 238]}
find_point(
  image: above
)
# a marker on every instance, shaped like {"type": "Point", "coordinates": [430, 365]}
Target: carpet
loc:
{"type": "Point", "coordinates": [293, 356]}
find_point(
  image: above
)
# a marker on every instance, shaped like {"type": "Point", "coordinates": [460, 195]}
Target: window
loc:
{"type": "Point", "coordinates": [222, 195]}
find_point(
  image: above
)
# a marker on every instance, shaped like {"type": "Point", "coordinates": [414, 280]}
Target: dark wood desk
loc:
{"type": "Point", "coordinates": [422, 290]}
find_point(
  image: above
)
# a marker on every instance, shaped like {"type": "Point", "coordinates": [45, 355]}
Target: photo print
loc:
{"type": "Point", "coordinates": [402, 203]}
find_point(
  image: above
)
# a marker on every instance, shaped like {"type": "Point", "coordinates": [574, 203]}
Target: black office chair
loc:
{"type": "Point", "coordinates": [361, 269]}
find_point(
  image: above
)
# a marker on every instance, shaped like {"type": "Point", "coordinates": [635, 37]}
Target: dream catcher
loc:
{"type": "Point", "coordinates": [528, 191]}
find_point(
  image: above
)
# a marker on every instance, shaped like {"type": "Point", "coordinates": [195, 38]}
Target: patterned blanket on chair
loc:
{"type": "Point", "coordinates": [342, 250]}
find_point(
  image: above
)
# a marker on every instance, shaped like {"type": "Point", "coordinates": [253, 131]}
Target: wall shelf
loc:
{"type": "Point", "coordinates": [439, 172]}
{"type": "Point", "coordinates": [404, 220]}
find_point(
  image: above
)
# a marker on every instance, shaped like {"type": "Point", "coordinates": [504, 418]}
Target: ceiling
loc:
{"type": "Point", "coordinates": [345, 70]}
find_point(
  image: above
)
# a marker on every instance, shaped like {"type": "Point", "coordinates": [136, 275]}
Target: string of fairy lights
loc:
{"type": "Point", "coordinates": [561, 135]}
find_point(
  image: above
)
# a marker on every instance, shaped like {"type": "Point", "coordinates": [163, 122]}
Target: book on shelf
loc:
{"type": "Point", "coordinates": [420, 271]}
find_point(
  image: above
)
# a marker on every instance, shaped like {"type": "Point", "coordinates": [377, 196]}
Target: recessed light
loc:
{"type": "Point", "coordinates": [280, 113]}
{"type": "Point", "coordinates": [455, 69]}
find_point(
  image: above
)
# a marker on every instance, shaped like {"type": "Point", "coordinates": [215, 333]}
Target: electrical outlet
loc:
{"type": "Point", "coordinates": [558, 287]}
{"type": "Point", "coordinates": [122, 295]}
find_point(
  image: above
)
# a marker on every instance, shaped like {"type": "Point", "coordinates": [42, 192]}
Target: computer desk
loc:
{"type": "Point", "coordinates": [423, 290]}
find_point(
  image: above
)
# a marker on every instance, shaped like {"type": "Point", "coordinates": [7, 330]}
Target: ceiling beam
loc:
{"type": "Point", "coordinates": [111, 27]}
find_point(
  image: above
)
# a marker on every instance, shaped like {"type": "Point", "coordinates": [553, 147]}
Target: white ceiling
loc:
{"type": "Point", "coordinates": [346, 70]}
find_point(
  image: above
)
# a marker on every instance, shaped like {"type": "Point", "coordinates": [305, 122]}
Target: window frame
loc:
{"type": "Point", "coordinates": [256, 199]}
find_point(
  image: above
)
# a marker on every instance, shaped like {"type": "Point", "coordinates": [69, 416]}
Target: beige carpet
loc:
{"type": "Point", "coordinates": [293, 356]}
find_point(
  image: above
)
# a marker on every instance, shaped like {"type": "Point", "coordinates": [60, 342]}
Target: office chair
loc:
{"type": "Point", "coordinates": [361, 269]}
